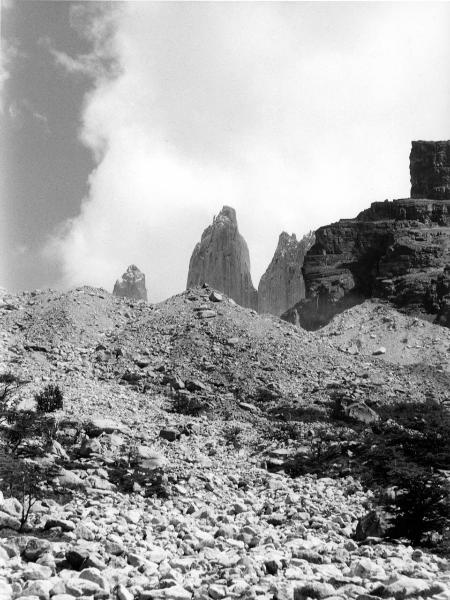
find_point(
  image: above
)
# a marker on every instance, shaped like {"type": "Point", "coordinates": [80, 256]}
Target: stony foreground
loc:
{"type": "Point", "coordinates": [228, 529]}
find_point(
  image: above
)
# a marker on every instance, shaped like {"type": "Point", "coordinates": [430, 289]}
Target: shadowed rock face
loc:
{"type": "Point", "coordinates": [222, 260]}
{"type": "Point", "coordinates": [393, 250]}
{"type": "Point", "coordinates": [443, 295]}
{"type": "Point", "coordinates": [430, 170]}
{"type": "Point", "coordinates": [282, 284]}
{"type": "Point", "coordinates": [132, 285]}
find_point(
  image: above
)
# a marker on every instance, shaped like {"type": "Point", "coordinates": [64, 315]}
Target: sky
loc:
{"type": "Point", "coordinates": [126, 126]}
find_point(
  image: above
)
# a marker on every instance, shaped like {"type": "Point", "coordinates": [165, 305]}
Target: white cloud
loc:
{"type": "Point", "coordinates": [296, 114]}
{"type": "Point", "coordinates": [96, 23]}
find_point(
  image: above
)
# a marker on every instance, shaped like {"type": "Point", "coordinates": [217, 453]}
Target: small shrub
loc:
{"type": "Point", "coordinates": [283, 432]}
{"type": "Point", "coordinates": [233, 436]}
{"type": "Point", "coordinates": [21, 425]}
{"type": "Point", "coordinates": [48, 427]}
{"type": "Point", "coordinates": [420, 506]}
{"type": "Point", "coordinates": [50, 399]}
{"type": "Point", "coordinates": [9, 383]}
{"type": "Point", "coordinates": [25, 480]}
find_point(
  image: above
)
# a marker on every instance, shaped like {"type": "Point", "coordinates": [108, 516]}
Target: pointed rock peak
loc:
{"type": "Point", "coordinates": [285, 238]}
{"type": "Point", "coordinates": [282, 284]}
{"type": "Point", "coordinates": [131, 285]}
{"type": "Point", "coordinates": [222, 260]}
{"type": "Point", "coordinates": [133, 271]}
{"type": "Point", "coordinates": [229, 213]}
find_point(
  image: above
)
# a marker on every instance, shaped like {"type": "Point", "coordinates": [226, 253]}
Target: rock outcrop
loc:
{"type": "Point", "coordinates": [394, 250]}
{"type": "Point", "coordinates": [443, 295]}
{"type": "Point", "coordinates": [132, 285]}
{"type": "Point", "coordinates": [222, 260]}
{"type": "Point", "coordinates": [282, 284]}
{"type": "Point", "coordinates": [430, 170]}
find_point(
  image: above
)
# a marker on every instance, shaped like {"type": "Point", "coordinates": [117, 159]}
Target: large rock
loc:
{"type": "Point", "coordinates": [282, 284]}
{"type": "Point", "coordinates": [393, 250]}
{"type": "Point", "coordinates": [132, 285]}
{"type": "Point", "coordinates": [372, 524]}
{"type": "Point", "coordinates": [222, 260]}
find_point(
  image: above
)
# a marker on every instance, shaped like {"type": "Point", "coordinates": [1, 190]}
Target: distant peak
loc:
{"type": "Point", "coordinates": [285, 237]}
{"type": "Point", "coordinates": [131, 285]}
{"type": "Point", "coordinates": [133, 268]}
{"type": "Point", "coordinates": [229, 213]}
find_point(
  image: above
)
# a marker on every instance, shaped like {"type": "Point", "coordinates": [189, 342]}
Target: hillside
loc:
{"type": "Point", "coordinates": [221, 402]}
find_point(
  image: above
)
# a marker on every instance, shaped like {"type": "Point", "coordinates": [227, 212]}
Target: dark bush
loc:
{"type": "Point", "coordinates": [233, 436]}
{"type": "Point", "coordinates": [21, 425]}
{"type": "Point", "coordinates": [420, 506]}
{"type": "Point", "coordinates": [50, 399]}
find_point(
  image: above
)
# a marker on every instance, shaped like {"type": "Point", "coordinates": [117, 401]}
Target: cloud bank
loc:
{"type": "Point", "coordinates": [296, 114]}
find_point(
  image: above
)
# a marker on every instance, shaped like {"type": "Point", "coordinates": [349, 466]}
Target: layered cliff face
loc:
{"type": "Point", "coordinates": [282, 284]}
{"type": "Point", "coordinates": [132, 285]}
{"type": "Point", "coordinates": [443, 295]}
{"type": "Point", "coordinates": [430, 170]}
{"type": "Point", "coordinates": [222, 260]}
{"type": "Point", "coordinates": [394, 250]}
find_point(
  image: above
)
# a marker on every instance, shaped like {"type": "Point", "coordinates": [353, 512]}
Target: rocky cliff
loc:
{"type": "Point", "coordinates": [222, 260]}
{"type": "Point", "coordinates": [443, 295]}
{"type": "Point", "coordinates": [131, 285]}
{"type": "Point", "coordinates": [430, 170]}
{"type": "Point", "coordinates": [394, 250]}
{"type": "Point", "coordinates": [282, 284]}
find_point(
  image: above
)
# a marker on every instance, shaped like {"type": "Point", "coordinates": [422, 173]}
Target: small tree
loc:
{"type": "Point", "coordinates": [24, 479]}
{"type": "Point", "coordinates": [9, 383]}
{"type": "Point", "coordinates": [21, 425]}
{"type": "Point", "coordinates": [50, 399]}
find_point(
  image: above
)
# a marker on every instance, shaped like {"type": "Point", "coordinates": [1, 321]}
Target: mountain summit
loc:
{"type": "Point", "coordinates": [282, 284]}
{"type": "Point", "coordinates": [222, 260]}
{"type": "Point", "coordinates": [132, 285]}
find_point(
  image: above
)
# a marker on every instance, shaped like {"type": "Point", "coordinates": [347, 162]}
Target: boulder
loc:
{"type": "Point", "coordinates": [35, 548]}
{"type": "Point", "coordinates": [67, 479]}
{"type": "Point", "coordinates": [99, 425]}
{"type": "Point", "coordinates": [359, 411]}
{"type": "Point", "coordinates": [372, 524]}
{"type": "Point", "coordinates": [149, 458]}
{"type": "Point", "coordinates": [410, 587]}
{"type": "Point", "coordinates": [315, 589]}
{"type": "Point", "coordinates": [6, 592]}
{"type": "Point", "coordinates": [40, 588]}
{"type": "Point", "coordinates": [9, 522]}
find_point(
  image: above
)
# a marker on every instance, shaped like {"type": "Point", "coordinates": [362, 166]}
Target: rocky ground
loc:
{"type": "Point", "coordinates": [406, 340]}
{"type": "Point", "coordinates": [193, 391]}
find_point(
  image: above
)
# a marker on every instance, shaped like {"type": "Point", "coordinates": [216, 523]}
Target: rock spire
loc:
{"type": "Point", "coordinates": [131, 285]}
{"type": "Point", "coordinates": [222, 260]}
{"type": "Point", "coordinates": [282, 284]}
